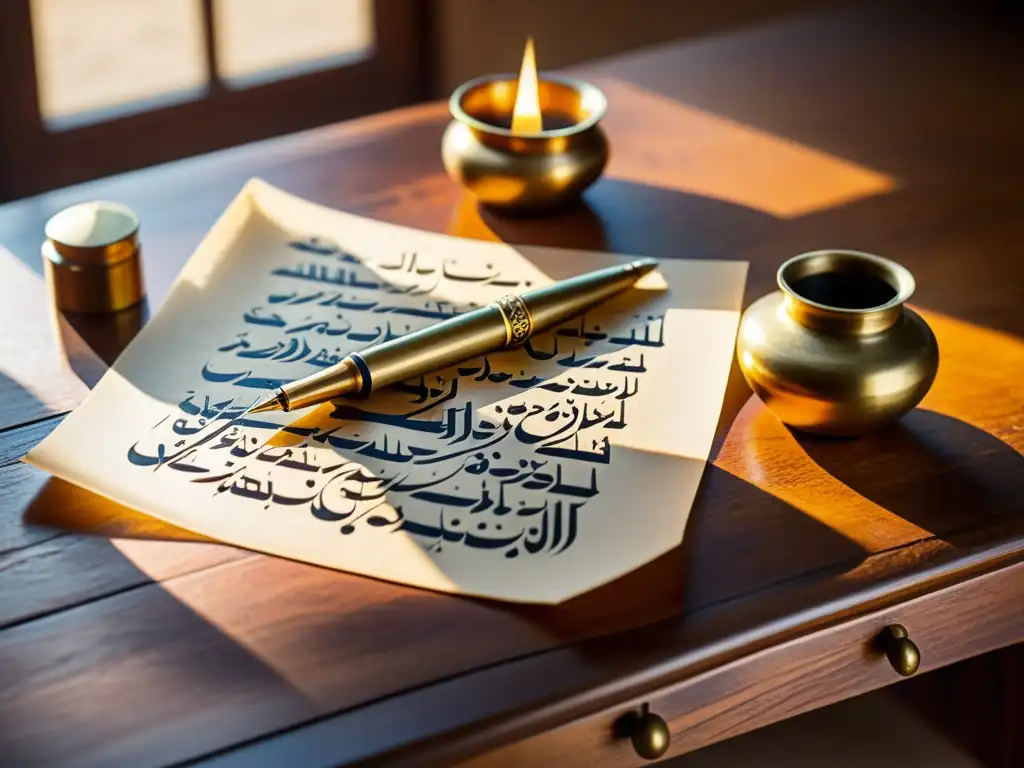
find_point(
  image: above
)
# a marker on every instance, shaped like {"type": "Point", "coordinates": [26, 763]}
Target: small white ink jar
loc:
{"type": "Point", "coordinates": [91, 258]}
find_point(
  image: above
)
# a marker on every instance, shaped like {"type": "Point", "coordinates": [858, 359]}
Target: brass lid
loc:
{"type": "Point", "coordinates": [91, 257]}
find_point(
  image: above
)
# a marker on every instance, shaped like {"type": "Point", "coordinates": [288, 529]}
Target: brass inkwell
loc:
{"type": "Point", "coordinates": [91, 257]}
{"type": "Point", "coordinates": [835, 350]}
{"type": "Point", "coordinates": [528, 144]}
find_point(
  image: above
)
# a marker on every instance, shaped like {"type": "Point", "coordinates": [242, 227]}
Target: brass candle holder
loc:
{"type": "Point", "coordinates": [526, 170]}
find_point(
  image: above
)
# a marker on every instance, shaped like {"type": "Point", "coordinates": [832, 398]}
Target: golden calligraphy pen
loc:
{"type": "Point", "coordinates": [508, 322]}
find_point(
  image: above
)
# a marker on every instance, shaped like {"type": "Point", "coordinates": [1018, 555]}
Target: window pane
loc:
{"type": "Point", "coordinates": [97, 59]}
{"type": "Point", "coordinates": [262, 40]}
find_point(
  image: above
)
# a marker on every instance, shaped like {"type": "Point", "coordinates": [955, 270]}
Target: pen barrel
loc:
{"type": "Point", "coordinates": [439, 346]}
{"type": "Point", "coordinates": [508, 322]}
{"type": "Point", "coordinates": [558, 302]}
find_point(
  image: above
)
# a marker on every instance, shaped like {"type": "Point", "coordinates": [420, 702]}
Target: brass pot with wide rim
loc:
{"type": "Point", "coordinates": [525, 171]}
{"type": "Point", "coordinates": [835, 351]}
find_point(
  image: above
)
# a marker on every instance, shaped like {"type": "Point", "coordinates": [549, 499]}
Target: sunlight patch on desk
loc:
{"type": "Point", "coordinates": [762, 451]}
{"type": "Point", "coordinates": [973, 358]}
{"type": "Point", "coordinates": [942, 445]}
{"type": "Point", "coordinates": [679, 147]}
{"type": "Point", "coordinates": [42, 357]}
{"type": "Point", "coordinates": [71, 508]}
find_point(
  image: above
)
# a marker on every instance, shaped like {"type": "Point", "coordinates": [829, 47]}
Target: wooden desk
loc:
{"type": "Point", "coordinates": [126, 641]}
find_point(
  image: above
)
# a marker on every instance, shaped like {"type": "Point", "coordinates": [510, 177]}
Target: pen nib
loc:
{"type": "Point", "coordinates": [644, 266]}
{"type": "Point", "coordinates": [270, 404]}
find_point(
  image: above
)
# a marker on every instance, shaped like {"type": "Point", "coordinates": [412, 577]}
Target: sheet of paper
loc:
{"type": "Point", "coordinates": [527, 475]}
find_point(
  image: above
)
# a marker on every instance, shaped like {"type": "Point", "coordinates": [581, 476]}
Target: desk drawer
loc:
{"type": "Point", "coordinates": [844, 660]}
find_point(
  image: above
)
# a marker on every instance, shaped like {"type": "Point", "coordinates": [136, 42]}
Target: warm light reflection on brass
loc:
{"type": "Point", "coordinates": [901, 651]}
{"type": "Point", "coordinates": [527, 170]}
{"type": "Point", "coordinates": [648, 732]}
{"type": "Point", "coordinates": [93, 289]}
{"type": "Point", "coordinates": [969, 387]}
{"type": "Point", "coordinates": [839, 368]}
{"type": "Point", "coordinates": [91, 258]}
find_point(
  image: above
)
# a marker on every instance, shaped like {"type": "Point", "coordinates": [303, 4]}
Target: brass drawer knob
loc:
{"type": "Point", "coordinates": [648, 732]}
{"type": "Point", "coordinates": [900, 650]}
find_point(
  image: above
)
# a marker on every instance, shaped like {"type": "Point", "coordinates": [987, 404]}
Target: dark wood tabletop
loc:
{"type": "Point", "coordinates": [126, 641]}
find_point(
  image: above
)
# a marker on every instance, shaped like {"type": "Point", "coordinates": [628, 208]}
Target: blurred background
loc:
{"type": "Point", "coordinates": [90, 88]}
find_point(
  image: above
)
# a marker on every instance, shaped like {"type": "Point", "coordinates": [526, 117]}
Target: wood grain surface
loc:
{"type": "Point", "coordinates": [809, 671]}
{"type": "Point", "coordinates": [123, 641]}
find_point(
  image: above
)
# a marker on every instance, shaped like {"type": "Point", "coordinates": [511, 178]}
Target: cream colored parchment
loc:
{"type": "Point", "coordinates": [528, 475]}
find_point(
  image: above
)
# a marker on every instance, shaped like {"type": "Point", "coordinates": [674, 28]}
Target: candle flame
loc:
{"type": "Point", "coordinates": [526, 113]}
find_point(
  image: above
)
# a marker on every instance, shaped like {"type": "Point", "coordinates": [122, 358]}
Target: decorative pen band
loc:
{"type": "Point", "coordinates": [364, 378]}
{"type": "Point", "coordinates": [517, 318]}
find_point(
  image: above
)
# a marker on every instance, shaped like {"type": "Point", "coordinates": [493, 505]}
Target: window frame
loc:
{"type": "Point", "coordinates": [34, 159]}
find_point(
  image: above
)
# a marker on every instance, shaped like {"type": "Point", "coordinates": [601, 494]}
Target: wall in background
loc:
{"type": "Point", "coordinates": [476, 37]}
{"type": "Point", "coordinates": [192, 76]}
